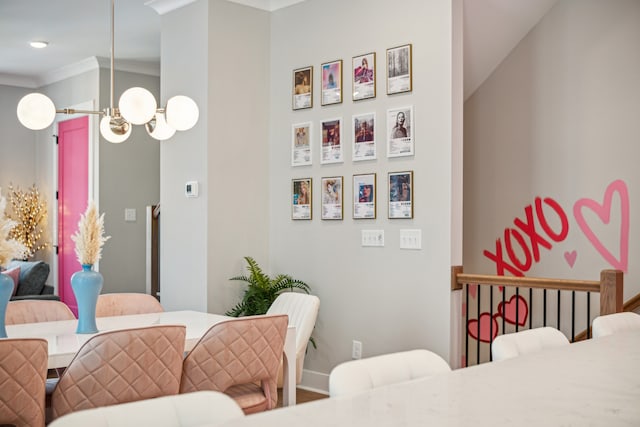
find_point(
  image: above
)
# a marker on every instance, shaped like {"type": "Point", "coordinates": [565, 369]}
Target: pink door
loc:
{"type": "Point", "coordinates": [73, 191]}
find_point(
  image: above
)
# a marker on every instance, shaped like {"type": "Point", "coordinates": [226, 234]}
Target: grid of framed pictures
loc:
{"type": "Point", "coordinates": [364, 136]}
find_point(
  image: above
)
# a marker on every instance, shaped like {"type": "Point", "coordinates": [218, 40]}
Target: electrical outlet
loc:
{"type": "Point", "coordinates": [356, 350]}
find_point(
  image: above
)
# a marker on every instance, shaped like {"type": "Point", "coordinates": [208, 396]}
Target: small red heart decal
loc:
{"type": "Point", "coordinates": [509, 308]}
{"type": "Point", "coordinates": [486, 322]}
{"type": "Point", "coordinates": [570, 257]}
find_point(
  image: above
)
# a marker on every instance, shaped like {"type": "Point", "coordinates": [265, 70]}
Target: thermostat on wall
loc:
{"type": "Point", "coordinates": [191, 189]}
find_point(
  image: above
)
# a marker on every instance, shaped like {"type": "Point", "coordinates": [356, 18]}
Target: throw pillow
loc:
{"type": "Point", "coordinates": [14, 273]}
{"type": "Point", "coordinates": [33, 276]}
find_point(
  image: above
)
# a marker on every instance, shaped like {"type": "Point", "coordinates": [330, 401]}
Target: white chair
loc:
{"type": "Point", "coordinates": [525, 342]}
{"type": "Point", "coordinates": [616, 322]}
{"type": "Point", "coordinates": [302, 310]}
{"type": "Point", "coordinates": [360, 375]}
{"type": "Point", "coordinates": [181, 410]}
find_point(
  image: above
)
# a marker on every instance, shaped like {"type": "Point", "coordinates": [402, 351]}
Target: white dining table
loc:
{"type": "Point", "coordinates": [590, 383]}
{"type": "Point", "coordinates": [64, 343]}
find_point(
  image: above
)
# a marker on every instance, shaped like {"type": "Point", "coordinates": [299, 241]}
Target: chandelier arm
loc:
{"type": "Point", "coordinates": [112, 49]}
{"type": "Point", "coordinates": [74, 111]}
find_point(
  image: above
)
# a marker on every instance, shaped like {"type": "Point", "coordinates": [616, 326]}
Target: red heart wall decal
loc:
{"type": "Point", "coordinates": [486, 322]}
{"type": "Point", "coordinates": [508, 310]}
{"type": "Point", "coordinates": [604, 213]}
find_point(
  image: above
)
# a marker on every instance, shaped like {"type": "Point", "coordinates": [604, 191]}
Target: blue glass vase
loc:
{"type": "Point", "coordinates": [86, 285]}
{"type": "Point", "coordinates": [6, 289]}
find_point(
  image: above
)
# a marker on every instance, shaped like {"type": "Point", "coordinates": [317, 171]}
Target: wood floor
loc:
{"type": "Point", "coordinates": [302, 396]}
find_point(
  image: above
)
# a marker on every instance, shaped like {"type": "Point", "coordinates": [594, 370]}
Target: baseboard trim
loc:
{"type": "Point", "coordinates": [317, 382]}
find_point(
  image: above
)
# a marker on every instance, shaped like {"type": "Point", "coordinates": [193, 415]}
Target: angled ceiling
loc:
{"type": "Point", "coordinates": [80, 29]}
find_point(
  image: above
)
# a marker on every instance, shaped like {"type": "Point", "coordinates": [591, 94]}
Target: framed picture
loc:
{"type": "Point", "coordinates": [332, 197]}
{"type": "Point", "coordinates": [364, 196]}
{"type": "Point", "coordinates": [364, 136]}
{"type": "Point", "coordinates": [399, 76]}
{"type": "Point", "coordinates": [401, 194]}
{"type": "Point", "coordinates": [364, 76]}
{"type": "Point", "coordinates": [400, 130]}
{"type": "Point", "coordinates": [301, 144]}
{"type": "Point", "coordinates": [301, 198]}
{"type": "Point", "coordinates": [332, 82]}
{"type": "Point", "coordinates": [331, 131]}
{"type": "Point", "coordinates": [303, 88]}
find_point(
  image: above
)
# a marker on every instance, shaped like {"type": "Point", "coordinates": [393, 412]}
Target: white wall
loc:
{"type": "Point", "coordinates": [387, 298]}
{"type": "Point", "coordinates": [559, 118]}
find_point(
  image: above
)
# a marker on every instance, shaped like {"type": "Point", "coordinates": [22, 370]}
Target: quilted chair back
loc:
{"type": "Point", "coordinates": [121, 366]}
{"type": "Point", "coordinates": [528, 341]}
{"type": "Point", "coordinates": [356, 376]}
{"type": "Point", "coordinates": [23, 372]}
{"type": "Point", "coordinates": [121, 304]}
{"type": "Point", "coordinates": [236, 355]}
{"type": "Point", "coordinates": [616, 322]}
{"type": "Point", "coordinates": [34, 311]}
{"type": "Point", "coordinates": [302, 310]}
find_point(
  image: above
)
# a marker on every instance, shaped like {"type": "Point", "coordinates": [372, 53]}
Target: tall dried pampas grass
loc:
{"type": "Point", "coordinates": [90, 236]}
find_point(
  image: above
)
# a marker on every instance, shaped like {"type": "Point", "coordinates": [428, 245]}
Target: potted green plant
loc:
{"type": "Point", "coordinates": [262, 290]}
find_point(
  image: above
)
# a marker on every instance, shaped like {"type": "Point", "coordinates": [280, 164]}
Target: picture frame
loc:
{"type": "Point", "coordinates": [399, 69]}
{"type": "Point", "coordinates": [332, 82]}
{"type": "Point", "coordinates": [364, 196]}
{"type": "Point", "coordinates": [331, 137]}
{"type": "Point", "coordinates": [302, 89]}
{"type": "Point", "coordinates": [400, 185]}
{"type": "Point", "coordinates": [301, 144]}
{"type": "Point", "coordinates": [332, 197]}
{"type": "Point", "coordinates": [363, 73]}
{"type": "Point", "coordinates": [301, 198]}
{"type": "Point", "coordinates": [364, 136]}
{"type": "Point", "coordinates": [400, 132]}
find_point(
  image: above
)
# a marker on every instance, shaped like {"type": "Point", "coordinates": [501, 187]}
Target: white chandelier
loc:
{"type": "Point", "coordinates": [137, 106]}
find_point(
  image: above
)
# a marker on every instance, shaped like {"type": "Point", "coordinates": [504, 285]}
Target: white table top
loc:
{"type": "Point", "coordinates": [590, 383]}
{"type": "Point", "coordinates": [64, 342]}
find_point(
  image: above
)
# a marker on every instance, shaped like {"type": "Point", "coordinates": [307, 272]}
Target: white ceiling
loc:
{"type": "Point", "coordinates": [80, 29]}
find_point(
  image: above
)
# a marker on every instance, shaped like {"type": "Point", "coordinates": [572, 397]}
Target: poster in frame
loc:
{"type": "Point", "coordinates": [364, 76]}
{"type": "Point", "coordinates": [364, 196]}
{"type": "Point", "coordinates": [331, 137]}
{"type": "Point", "coordinates": [332, 82]}
{"type": "Point", "coordinates": [399, 69]}
{"type": "Point", "coordinates": [301, 198]}
{"type": "Point", "coordinates": [332, 192]}
{"type": "Point", "coordinates": [302, 88]}
{"type": "Point", "coordinates": [400, 186]}
{"type": "Point", "coordinates": [301, 144]}
{"type": "Point", "coordinates": [364, 137]}
{"type": "Point", "coordinates": [400, 132]}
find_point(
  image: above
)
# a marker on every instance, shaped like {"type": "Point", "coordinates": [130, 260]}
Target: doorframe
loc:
{"type": "Point", "coordinates": [93, 179]}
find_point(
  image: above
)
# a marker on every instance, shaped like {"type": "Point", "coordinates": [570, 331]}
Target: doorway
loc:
{"type": "Point", "coordinates": [72, 197]}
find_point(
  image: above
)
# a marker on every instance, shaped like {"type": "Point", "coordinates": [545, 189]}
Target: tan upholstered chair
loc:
{"type": "Point", "coordinates": [234, 356]}
{"type": "Point", "coordinates": [121, 366]}
{"type": "Point", "coordinates": [198, 409]}
{"type": "Point", "coordinates": [23, 371]}
{"type": "Point", "coordinates": [34, 311]}
{"type": "Point", "coordinates": [528, 341]}
{"type": "Point", "coordinates": [302, 310]}
{"type": "Point", "coordinates": [120, 304]}
{"type": "Point", "coordinates": [356, 376]}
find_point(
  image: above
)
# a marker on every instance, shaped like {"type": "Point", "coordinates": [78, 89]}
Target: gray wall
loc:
{"type": "Point", "coordinates": [559, 118]}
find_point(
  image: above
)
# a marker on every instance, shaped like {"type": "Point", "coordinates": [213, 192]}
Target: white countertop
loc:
{"type": "Point", "coordinates": [590, 383]}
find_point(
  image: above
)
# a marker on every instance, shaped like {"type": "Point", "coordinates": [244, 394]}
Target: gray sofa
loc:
{"type": "Point", "coordinates": [32, 283]}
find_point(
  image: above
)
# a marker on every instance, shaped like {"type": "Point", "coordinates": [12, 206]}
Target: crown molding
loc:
{"type": "Point", "coordinates": [18, 81]}
{"type": "Point", "coordinates": [165, 6]}
{"type": "Point", "coordinates": [67, 71]}
{"type": "Point", "coordinates": [131, 66]}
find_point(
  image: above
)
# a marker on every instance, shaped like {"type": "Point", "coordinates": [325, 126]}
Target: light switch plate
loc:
{"type": "Point", "coordinates": [411, 239]}
{"type": "Point", "coordinates": [130, 214]}
{"type": "Point", "coordinates": [372, 237]}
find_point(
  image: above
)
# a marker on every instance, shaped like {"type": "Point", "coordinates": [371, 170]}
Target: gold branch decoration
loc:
{"type": "Point", "coordinates": [29, 212]}
{"type": "Point", "coordinates": [9, 248]}
{"type": "Point", "coordinates": [90, 237]}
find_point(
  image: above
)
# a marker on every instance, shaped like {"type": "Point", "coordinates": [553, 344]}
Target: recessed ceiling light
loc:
{"type": "Point", "coordinates": [39, 44]}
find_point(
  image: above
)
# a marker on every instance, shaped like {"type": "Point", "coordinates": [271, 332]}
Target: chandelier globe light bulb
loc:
{"type": "Point", "coordinates": [182, 112]}
{"type": "Point", "coordinates": [36, 111]}
{"type": "Point", "coordinates": [137, 105]}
